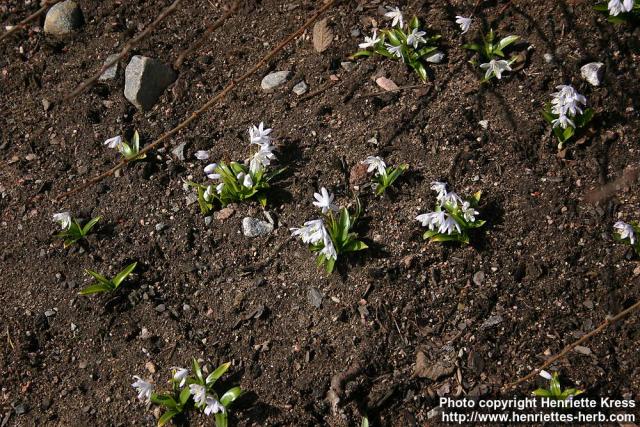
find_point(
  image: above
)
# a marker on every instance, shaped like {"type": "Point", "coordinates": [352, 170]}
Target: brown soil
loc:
{"type": "Point", "coordinates": [551, 269]}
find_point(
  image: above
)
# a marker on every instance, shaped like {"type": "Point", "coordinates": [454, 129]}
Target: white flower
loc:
{"type": "Point", "coordinates": [219, 187]}
{"type": "Point", "coordinates": [245, 178]}
{"type": "Point", "coordinates": [202, 155]}
{"type": "Point", "coordinates": [546, 375]}
{"type": "Point", "coordinates": [431, 219]}
{"type": "Point", "coordinates": [625, 231]}
{"type": "Point", "coordinates": [464, 23]}
{"type": "Point", "coordinates": [329, 251]}
{"type": "Point", "coordinates": [496, 67]}
{"type": "Point", "coordinates": [144, 388]}
{"type": "Point", "coordinates": [415, 38]}
{"type": "Point", "coordinates": [468, 212]}
{"type": "Point", "coordinates": [114, 142]}
{"type": "Point", "coordinates": [259, 135]}
{"type": "Point", "coordinates": [261, 159]}
{"type": "Point", "coordinates": [180, 375]}
{"type": "Point", "coordinates": [449, 225]}
{"type": "Point", "coordinates": [567, 101]}
{"type": "Point", "coordinates": [199, 393]}
{"type": "Point", "coordinates": [311, 233]}
{"type": "Point", "coordinates": [451, 198]}
{"type": "Point", "coordinates": [64, 219]}
{"type": "Point", "coordinates": [324, 200]}
{"type": "Point", "coordinates": [444, 196]}
{"type": "Point", "coordinates": [440, 188]}
{"type": "Point", "coordinates": [375, 162]}
{"type": "Point", "coordinates": [208, 193]}
{"type": "Point", "coordinates": [563, 121]}
{"type": "Point", "coordinates": [212, 406]}
{"type": "Point", "coordinates": [394, 50]}
{"type": "Point", "coordinates": [210, 169]}
{"type": "Point", "coordinates": [395, 14]}
{"type": "Point", "coordinates": [370, 41]}
{"type": "Point", "coordinates": [617, 7]}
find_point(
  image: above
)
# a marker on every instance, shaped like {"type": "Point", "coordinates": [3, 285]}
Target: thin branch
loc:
{"type": "Point", "coordinates": [127, 47]}
{"type": "Point", "coordinates": [29, 18]}
{"type": "Point", "coordinates": [609, 321]}
{"type": "Point", "coordinates": [221, 95]}
{"type": "Point", "coordinates": [203, 38]}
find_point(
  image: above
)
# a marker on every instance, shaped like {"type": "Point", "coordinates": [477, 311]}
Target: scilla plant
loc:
{"type": "Point", "coordinates": [620, 11]}
{"type": "Point", "coordinates": [555, 391]}
{"type": "Point", "coordinates": [239, 182]}
{"type": "Point", "coordinates": [407, 43]}
{"type": "Point", "coordinates": [492, 56]}
{"type": "Point", "coordinates": [332, 234]}
{"type": "Point", "coordinates": [565, 114]}
{"type": "Point", "coordinates": [190, 388]}
{"type": "Point", "coordinates": [129, 150]}
{"type": "Point", "coordinates": [452, 218]}
{"type": "Point", "coordinates": [628, 233]}
{"type": "Point", "coordinates": [107, 285]}
{"type": "Point", "coordinates": [72, 231]}
{"type": "Point", "coordinates": [384, 176]}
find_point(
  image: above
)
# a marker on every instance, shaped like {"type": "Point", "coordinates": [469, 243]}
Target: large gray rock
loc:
{"type": "Point", "coordinates": [275, 79]}
{"type": "Point", "coordinates": [63, 18]}
{"type": "Point", "coordinates": [145, 80]}
{"type": "Point", "coordinates": [593, 72]}
{"type": "Point", "coordinates": [253, 227]}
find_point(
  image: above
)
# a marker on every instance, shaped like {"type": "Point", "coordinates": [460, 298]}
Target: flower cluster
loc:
{"type": "Point", "coordinates": [407, 43]}
{"type": "Point", "coordinates": [384, 176]}
{"type": "Point", "coordinates": [565, 113]}
{"type": "Point", "coordinates": [453, 217]}
{"type": "Point", "coordinates": [190, 390]}
{"type": "Point", "coordinates": [72, 231]}
{"type": "Point", "coordinates": [130, 151]}
{"type": "Point", "coordinates": [628, 233]}
{"type": "Point", "coordinates": [239, 182]}
{"type": "Point", "coordinates": [331, 234]}
{"type": "Point", "coordinates": [493, 54]}
{"type": "Point", "coordinates": [555, 390]}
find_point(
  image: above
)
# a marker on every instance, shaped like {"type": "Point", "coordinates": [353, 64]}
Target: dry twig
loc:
{"type": "Point", "coordinates": [221, 95]}
{"type": "Point", "coordinates": [29, 18]}
{"type": "Point", "coordinates": [604, 325]}
{"type": "Point", "coordinates": [127, 47]}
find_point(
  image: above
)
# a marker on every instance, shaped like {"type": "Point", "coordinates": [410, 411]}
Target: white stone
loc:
{"type": "Point", "coordinates": [593, 72]}
{"type": "Point", "coordinates": [275, 79]}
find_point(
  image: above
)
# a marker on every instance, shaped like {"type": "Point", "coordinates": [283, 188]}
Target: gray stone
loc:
{"type": "Point", "coordinates": [145, 81]}
{"type": "Point", "coordinates": [593, 72]}
{"type": "Point", "coordinates": [275, 79]}
{"type": "Point", "coordinates": [301, 88]}
{"type": "Point", "coordinates": [191, 198]}
{"type": "Point", "coordinates": [111, 72]}
{"type": "Point", "coordinates": [160, 226]}
{"type": "Point", "coordinates": [478, 278]}
{"type": "Point", "coordinates": [347, 65]}
{"type": "Point", "coordinates": [160, 308]}
{"type": "Point", "coordinates": [253, 227]}
{"type": "Point", "coordinates": [492, 321]}
{"type": "Point", "coordinates": [63, 18]}
{"type": "Point", "coordinates": [315, 297]}
{"type": "Point", "coordinates": [50, 313]}
{"type": "Point", "coordinates": [548, 58]}
{"type": "Point", "coordinates": [436, 58]}
{"type": "Point", "coordinates": [178, 152]}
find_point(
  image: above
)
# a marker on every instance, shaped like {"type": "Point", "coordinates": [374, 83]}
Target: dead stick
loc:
{"type": "Point", "coordinates": [382, 92]}
{"type": "Point", "coordinates": [127, 47]}
{"type": "Point", "coordinates": [29, 18]}
{"type": "Point", "coordinates": [203, 37]}
{"type": "Point", "coordinates": [567, 349]}
{"type": "Point", "coordinates": [230, 86]}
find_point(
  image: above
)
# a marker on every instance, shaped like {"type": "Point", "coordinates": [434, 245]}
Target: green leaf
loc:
{"type": "Point", "coordinates": [88, 226]}
{"type": "Point", "coordinates": [601, 7]}
{"type": "Point", "coordinates": [262, 198]}
{"type": "Point", "coordinates": [95, 289]}
{"type": "Point", "coordinates": [362, 53]}
{"type": "Point", "coordinates": [197, 371]}
{"type": "Point", "coordinates": [69, 242]}
{"type": "Point", "coordinates": [355, 245]}
{"type": "Point", "coordinates": [230, 396]}
{"type": "Point", "coordinates": [166, 417]}
{"type": "Point", "coordinates": [329, 265]}
{"type": "Point", "coordinates": [99, 277]}
{"type": "Point", "coordinates": [215, 375]}
{"type": "Point", "coordinates": [507, 41]}
{"type": "Point", "coordinates": [541, 393]}
{"type": "Point", "coordinates": [135, 142]}
{"type": "Point", "coordinates": [123, 274]}
{"type": "Point", "coordinates": [420, 70]}
{"type": "Point", "coordinates": [184, 395]}
{"type": "Point", "coordinates": [472, 46]}
{"type": "Point", "coordinates": [583, 119]}
{"type": "Point", "coordinates": [365, 422]}
{"type": "Point", "coordinates": [222, 420]}
{"type": "Point", "coordinates": [344, 225]}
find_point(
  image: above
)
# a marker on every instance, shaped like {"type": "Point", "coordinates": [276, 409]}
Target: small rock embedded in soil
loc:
{"type": "Point", "coordinates": [436, 58]}
{"type": "Point", "coordinates": [315, 297]}
{"type": "Point", "coordinates": [111, 72]}
{"type": "Point", "coordinates": [275, 79]}
{"type": "Point", "coordinates": [63, 18]}
{"type": "Point", "coordinates": [224, 213]}
{"type": "Point", "coordinates": [145, 81]}
{"type": "Point", "coordinates": [301, 88]}
{"type": "Point", "coordinates": [253, 227]}
{"type": "Point", "coordinates": [178, 152]}
{"type": "Point", "coordinates": [593, 72]}
{"type": "Point", "coordinates": [478, 278]}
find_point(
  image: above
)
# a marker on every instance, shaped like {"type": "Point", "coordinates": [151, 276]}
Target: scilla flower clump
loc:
{"type": "Point", "coordinates": [384, 175]}
{"type": "Point", "coordinates": [452, 218]}
{"type": "Point", "coordinates": [493, 55]}
{"type": "Point", "coordinates": [628, 233]}
{"type": "Point", "coordinates": [565, 113]}
{"type": "Point", "coordinates": [190, 388]}
{"type": "Point", "coordinates": [72, 231]}
{"type": "Point", "coordinates": [619, 10]}
{"type": "Point", "coordinates": [331, 234]}
{"type": "Point", "coordinates": [407, 43]}
{"type": "Point", "coordinates": [238, 182]}
{"type": "Point", "coordinates": [129, 150]}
